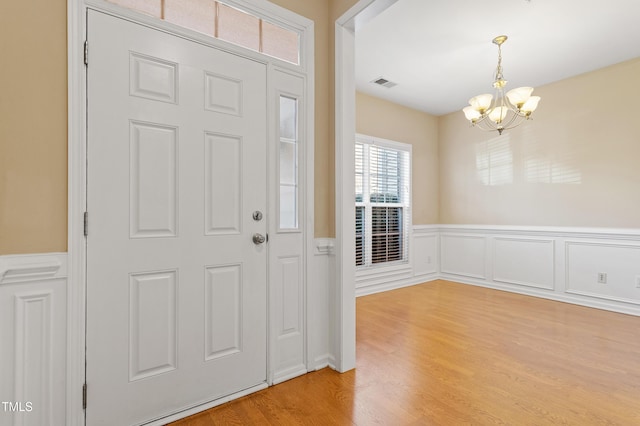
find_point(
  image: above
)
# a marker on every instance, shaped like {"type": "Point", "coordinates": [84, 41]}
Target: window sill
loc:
{"type": "Point", "coordinates": [390, 267]}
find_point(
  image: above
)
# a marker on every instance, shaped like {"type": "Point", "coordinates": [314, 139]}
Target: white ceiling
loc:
{"type": "Point", "coordinates": [440, 52]}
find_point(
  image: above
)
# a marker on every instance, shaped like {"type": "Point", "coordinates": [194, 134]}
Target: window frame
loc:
{"type": "Point", "coordinates": [297, 142]}
{"type": "Point", "coordinates": [261, 14]}
{"type": "Point", "coordinates": [405, 204]}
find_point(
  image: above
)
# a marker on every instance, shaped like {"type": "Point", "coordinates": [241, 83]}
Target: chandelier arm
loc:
{"type": "Point", "coordinates": [485, 124]}
{"type": "Point", "coordinates": [512, 120]}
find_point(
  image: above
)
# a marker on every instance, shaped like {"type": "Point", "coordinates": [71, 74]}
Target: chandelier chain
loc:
{"type": "Point", "coordinates": [498, 76]}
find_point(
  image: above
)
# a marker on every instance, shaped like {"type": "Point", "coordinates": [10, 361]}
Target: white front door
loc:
{"type": "Point", "coordinates": [176, 165]}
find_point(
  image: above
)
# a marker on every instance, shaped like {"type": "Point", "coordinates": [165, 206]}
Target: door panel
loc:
{"type": "Point", "coordinates": [176, 164]}
{"type": "Point", "coordinates": [286, 245]}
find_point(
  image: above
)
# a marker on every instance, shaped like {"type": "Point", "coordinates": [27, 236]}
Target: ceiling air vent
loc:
{"type": "Point", "coordinates": [381, 81]}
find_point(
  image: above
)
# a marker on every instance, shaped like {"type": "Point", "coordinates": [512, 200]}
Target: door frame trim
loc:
{"type": "Point", "coordinates": [76, 174]}
{"type": "Point", "coordinates": [346, 26]}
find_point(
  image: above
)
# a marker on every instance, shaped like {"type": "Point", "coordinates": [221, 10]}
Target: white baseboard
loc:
{"type": "Point", "coordinates": [290, 373]}
{"type": "Point", "coordinates": [394, 285]}
{"type": "Point", "coordinates": [323, 361]}
{"type": "Point", "coordinates": [566, 298]}
{"type": "Point", "coordinates": [206, 406]}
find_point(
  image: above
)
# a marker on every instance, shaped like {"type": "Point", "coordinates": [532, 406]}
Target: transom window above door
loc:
{"type": "Point", "coordinates": [224, 22]}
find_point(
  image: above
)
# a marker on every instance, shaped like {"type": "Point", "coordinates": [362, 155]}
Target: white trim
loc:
{"type": "Point", "coordinates": [344, 301]}
{"type": "Point", "coordinates": [387, 143]}
{"type": "Point", "coordinates": [345, 131]}
{"type": "Point", "coordinates": [420, 229]}
{"type": "Point", "coordinates": [575, 232]}
{"type": "Point", "coordinates": [76, 307]}
{"type": "Point", "coordinates": [76, 30]}
{"type": "Point", "coordinates": [290, 373]}
{"type": "Point", "coordinates": [324, 361]}
{"type": "Point", "coordinates": [574, 299]}
{"type": "Point", "coordinates": [26, 268]}
{"type": "Point", "coordinates": [371, 11]}
{"type": "Point", "coordinates": [206, 406]}
{"type": "Point", "coordinates": [307, 60]}
{"type": "Point", "coordinates": [407, 282]}
{"type": "Point", "coordinates": [324, 246]}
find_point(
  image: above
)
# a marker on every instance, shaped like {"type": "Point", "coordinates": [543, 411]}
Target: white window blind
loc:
{"type": "Point", "coordinates": [383, 201]}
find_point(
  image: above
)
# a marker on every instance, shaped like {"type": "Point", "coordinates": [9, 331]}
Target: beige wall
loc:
{"type": "Point", "coordinates": [568, 132]}
{"type": "Point", "coordinates": [33, 121]}
{"type": "Point", "coordinates": [33, 126]}
{"type": "Point", "coordinates": [324, 13]}
{"type": "Point", "coordinates": [576, 164]}
{"type": "Point", "coordinates": [383, 119]}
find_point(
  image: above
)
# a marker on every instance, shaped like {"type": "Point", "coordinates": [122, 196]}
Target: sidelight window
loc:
{"type": "Point", "coordinates": [288, 163]}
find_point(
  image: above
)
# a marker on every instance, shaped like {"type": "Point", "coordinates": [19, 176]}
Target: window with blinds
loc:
{"type": "Point", "coordinates": [383, 201]}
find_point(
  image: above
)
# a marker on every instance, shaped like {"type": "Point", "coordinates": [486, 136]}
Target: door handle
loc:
{"type": "Point", "coordinates": [258, 238]}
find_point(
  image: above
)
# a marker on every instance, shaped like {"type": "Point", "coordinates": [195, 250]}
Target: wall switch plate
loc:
{"type": "Point", "coordinates": [602, 278]}
{"type": "Point", "coordinates": [637, 281]}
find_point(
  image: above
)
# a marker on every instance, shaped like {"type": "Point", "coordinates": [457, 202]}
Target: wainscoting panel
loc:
{"type": "Point", "coordinates": [550, 262]}
{"type": "Point", "coordinates": [288, 312]}
{"type": "Point", "coordinates": [33, 346]}
{"type": "Point", "coordinates": [620, 264]}
{"type": "Point", "coordinates": [319, 293]}
{"type": "Point", "coordinates": [425, 253]}
{"type": "Point", "coordinates": [464, 255]}
{"type": "Point", "coordinates": [528, 262]}
{"type": "Point", "coordinates": [421, 267]}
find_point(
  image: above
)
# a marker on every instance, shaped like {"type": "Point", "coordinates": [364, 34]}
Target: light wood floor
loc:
{"type": "Point", "coordinates": [443, 353]}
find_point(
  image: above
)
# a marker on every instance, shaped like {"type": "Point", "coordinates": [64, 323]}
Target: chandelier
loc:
{"type": "Point", "coordinates": [501, 112]}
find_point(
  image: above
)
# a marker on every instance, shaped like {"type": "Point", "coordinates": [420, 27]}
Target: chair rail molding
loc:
{"type": "Point", "coordinates": [30, 268]}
